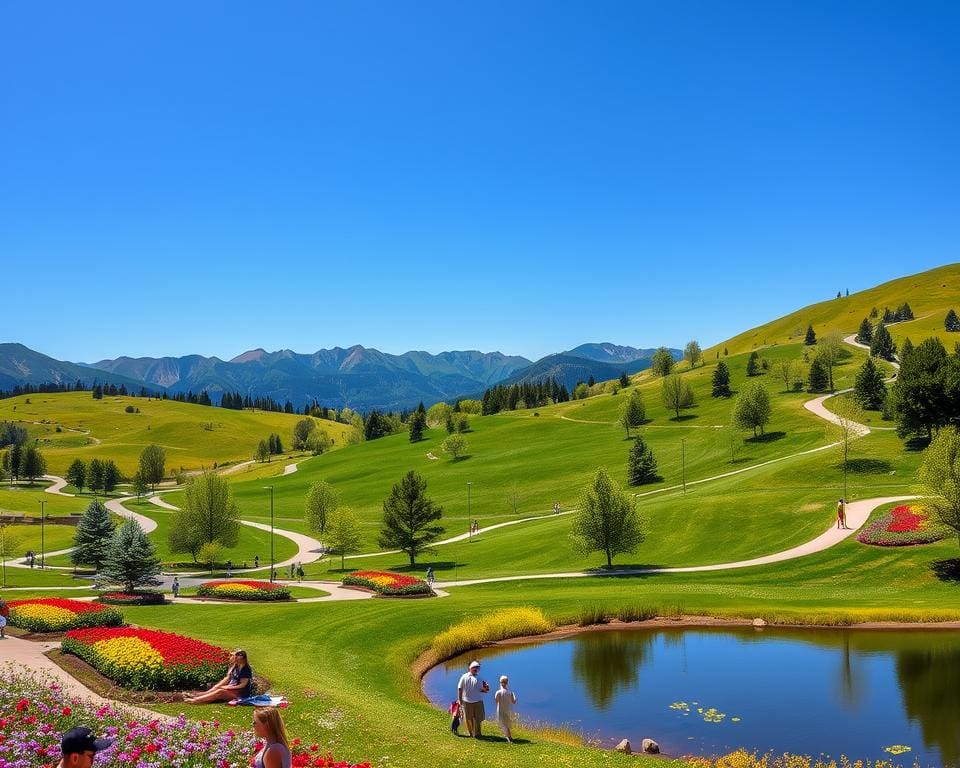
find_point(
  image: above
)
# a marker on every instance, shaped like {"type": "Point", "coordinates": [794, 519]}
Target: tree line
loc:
{"type": "Point", "coordinates": [512, 397]}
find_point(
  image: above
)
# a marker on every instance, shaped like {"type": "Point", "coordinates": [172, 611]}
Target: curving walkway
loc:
{"type": "Point", "coordinates": [57, 486]}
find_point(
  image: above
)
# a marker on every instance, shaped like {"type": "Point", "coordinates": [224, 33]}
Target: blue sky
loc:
{"type": "Point", "coordinates": [211, 177]}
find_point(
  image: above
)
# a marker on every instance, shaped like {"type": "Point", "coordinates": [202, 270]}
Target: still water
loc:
{"type": "Point", "coordinates": [708, 691]}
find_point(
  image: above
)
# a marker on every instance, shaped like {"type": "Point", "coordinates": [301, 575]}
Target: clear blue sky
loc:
{"type": "Point", "coordinates": [519, 176]}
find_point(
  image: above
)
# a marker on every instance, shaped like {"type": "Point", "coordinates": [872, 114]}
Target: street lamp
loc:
{"type": "Point", "coordinates": [270, 488]}
{"type": "Point", "coordinates": [42, 539]}
{"type": "Point", "coordinates": [469, 515]}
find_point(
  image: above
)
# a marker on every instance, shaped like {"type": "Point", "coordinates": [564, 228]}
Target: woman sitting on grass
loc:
{"type": "Point", "coordinates": [235, 684]}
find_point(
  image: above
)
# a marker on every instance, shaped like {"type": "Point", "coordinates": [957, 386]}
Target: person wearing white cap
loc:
{"type": "Point", "coordinates": [470, 692]}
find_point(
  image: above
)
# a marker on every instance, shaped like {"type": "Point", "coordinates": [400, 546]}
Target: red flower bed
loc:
{"type": "Point", "coordinates": [387, 583]}
{"type": "Point", "coordinates": [902, 526]}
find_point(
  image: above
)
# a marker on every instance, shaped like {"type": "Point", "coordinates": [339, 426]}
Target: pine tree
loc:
{"type": "Point", "coordinates": [32, 464]}
{"type": "Point", "coordinates": [721, 381]}
{"type": "Point", "coordinates": [418, 424]}
{"type": "Point", "coordinates": [77, 475]}
{"type": "Point", "coordinates": [409, 517]}
{"type": "Point", "coordinates": [753, 364]}
{"type": "Point", "coordinates": [888, 316]}
{"type": "Point", "coordinates": [94, 536]}
{"type": "Point", "coordinates": [907, 347]}
{"type": "Point", "coordinates": [624, 379]}
{"type": "Point", "coordinates": [869, 389]}
{"type": "Point", "coordinates": [641, 466]}
{"type": "Point", "coordinates": [132, 560]}
{"type": "Point", "coordinates": [817, 379]}
{"type": "Point", "coordinates": [111, 476]}
{"type": "Point", "coordinates": [882, 344]}
{"type": "Point", "coordinates": [865, 334]}
{"type": "Point", "coordinates": [263, 451]}
{"type": "Point", "coordinates": [951, 322]}
{"type": "Point", "coordinates": [633, 412]}
{"type": "Point", "coordinates": [811, 337]}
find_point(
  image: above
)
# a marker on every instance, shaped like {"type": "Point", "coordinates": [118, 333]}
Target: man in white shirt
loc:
{"type": "Point", "coordinates": [470, 692]}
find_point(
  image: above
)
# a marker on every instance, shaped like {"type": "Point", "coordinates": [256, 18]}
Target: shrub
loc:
{"type": "Point", "coordinates": [474, 632]}
{"type": "Point", "coordinates": [55, 614]}
{"type": "Point", "coordinates": [593, 615]}
{"type": "Point", "coordinates": [244, 590]}
{"type": "Point", "coordinates": [386, 583]}
{"type": "Point", "coordinates": [131, 598]}
{"type": "Point", "coordinates": [636, 612]}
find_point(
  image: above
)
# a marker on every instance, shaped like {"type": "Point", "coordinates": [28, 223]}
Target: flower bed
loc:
{"type": "Point", "coordinates": [386, 583]}
{"type": "Point", "coordinates": [146, 659]}
{"type": "Point", "coordinates": [134, 598]}
{"type": "Point", "coordinates": [34, 712]}
{"type": "Point", "coordinates": [902, 526]}
{"type": "Point", "coordinates": [243, 590]}
{"type": "Point", "coordinates": [55, 614]}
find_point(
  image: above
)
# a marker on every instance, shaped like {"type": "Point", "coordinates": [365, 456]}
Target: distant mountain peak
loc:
{"type": "Point", "coordinates": [250, 356]}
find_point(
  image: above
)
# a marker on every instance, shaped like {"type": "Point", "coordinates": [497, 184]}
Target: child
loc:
{"type": "Point", "coordinates": [455, 718]}
{"type": "Point", "coordinates": [505, 700]}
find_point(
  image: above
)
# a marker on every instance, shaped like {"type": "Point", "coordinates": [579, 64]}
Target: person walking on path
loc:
{"type": "Point", "coordinates": [556, 508]}
{"type": "Point", "coordinates": [256, 561]}
{"type": "Point", "coordinates": [841, 514]}
{"type": "Point", "coordinates": [299, 573]}
{"type": "Point", "coordinates": [470, 692]}
{"type": "Point", "coordinates": [430, 575]}
{"type": "Point", "coordinates": [505, 699]}
{"type": "Point", "coordinates": [175, 587]}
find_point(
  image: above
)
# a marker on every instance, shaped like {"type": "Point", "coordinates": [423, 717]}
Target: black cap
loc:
{"type": "Point", "coordinates": [78, 740]}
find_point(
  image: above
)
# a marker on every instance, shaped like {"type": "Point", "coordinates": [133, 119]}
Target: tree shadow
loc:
{"type": "Point", "coordinates": [618, 570]}
{"type": "Point", "coordinates": [866, 466]}
{"type": "Point", "coordinates": [684, 417]}
{"type": "Point", "coordinates": [461, 458]}
{"type": "Point", "coordinates": [652, 481]}
{"type": "Point", "coordinates": [767, 437]}
{"type": "Point", "coordinates": [947, 570]}
{"type": "Point", "coordinates": [917, 443]}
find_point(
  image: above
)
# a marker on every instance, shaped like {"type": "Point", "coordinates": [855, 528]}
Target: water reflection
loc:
{"type": "Point", "coordinates": [840, 692]}
{"type": "Point", "coordinates": [606, 665]}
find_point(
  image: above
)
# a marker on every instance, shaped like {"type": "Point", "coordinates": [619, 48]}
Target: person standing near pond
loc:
{"type": "Point", "coordinates": [505, 699]}
{"type": "Point", "coordinates": [841, 514]}
{"type": "Point", "coordinates": [470, 692]}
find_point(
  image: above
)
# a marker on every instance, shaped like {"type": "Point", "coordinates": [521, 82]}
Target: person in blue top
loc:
{"type": "Point", "coordinates": [238, 683]}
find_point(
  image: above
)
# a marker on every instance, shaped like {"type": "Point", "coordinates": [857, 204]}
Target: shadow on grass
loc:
{"type": "Point", "coordinates": [866, 466]}
{"type": "Point", "coordinates": [768, 437]}
{"type": "Point", "coordinates": [618, 570]}
{"type": "Point", "coordinates": [917, 443]}
{"type": "Point", "coordinates": [947, 570]}
{"type": "Point", "coordinates": [683, 417]}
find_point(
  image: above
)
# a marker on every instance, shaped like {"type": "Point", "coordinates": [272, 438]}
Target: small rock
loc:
{"type": "Point", "coordinates": [650, 747]}
{"type": "Point", "coordinates": [624, 746]}
{"type": "Point", "coordinates": [759, 623]}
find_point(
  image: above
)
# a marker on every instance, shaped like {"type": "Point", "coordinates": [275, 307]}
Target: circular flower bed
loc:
{"type": "Point", "coordinates": [34, 713]}
{"type": "Point", "coordinates": [243, 590]}
{"type": "Point", "coordinates": [386, 583]}
{"type": "Point", "coordinates": [55, 614]}
{"type": "Point", "coordinates": [902, 526]}
{"type": "Point", "coordinates": [146, 659]}
{"type": "Point", "coordinates": [134, 598]}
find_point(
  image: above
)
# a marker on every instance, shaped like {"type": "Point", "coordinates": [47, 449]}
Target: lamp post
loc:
{"type": "Point", "coordinates": [270, 488]}
{"type": "Point", "coordinates": [42, 531]}
{"type": "Point", "coordinates": [469, 514]}
{"type": "Point", "coordinates": [683, 463]}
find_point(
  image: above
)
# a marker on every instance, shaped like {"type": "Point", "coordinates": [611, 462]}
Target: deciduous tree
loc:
{"type": "Point", "coordinates": [940, 477]}
{"type": "Point", "coordinates": [455, 445]}
{"type": "Point", "coordinates": [77, 475]}
{"type": "Point", "coordinates": [676, 394]}
{"type": "Point", "coordinates": [344, 532]}
{"type": "Point", "coordinates": [321, 501]}
{"type": "Point", "coordinates": [692, 353]}
{"type": "Point", "coordinates": [752, 409]}
{"type": "Point", "coordinates": [209, 513]}
{"type": "Point", "coordinates": [633, 412]}
{"type": "Point", "coordinates": [661, 364]}
{"type": "Point", "coordinates": [301, 432]}
{"type": "Point", "coordinates": [606, 520]}
{"type": "Point", "coordinates": [153, 460]}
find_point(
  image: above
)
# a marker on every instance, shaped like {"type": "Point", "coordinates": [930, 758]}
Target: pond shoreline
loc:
{"type": "Point", "coordinates": [428, 659]}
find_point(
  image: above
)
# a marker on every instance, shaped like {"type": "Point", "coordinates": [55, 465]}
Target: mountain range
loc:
{"type": "Point", "coordinates": [359, 377]}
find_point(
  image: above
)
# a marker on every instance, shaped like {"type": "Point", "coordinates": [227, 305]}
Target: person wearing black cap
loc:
{"type": "Point", "coordinates": [79, 746]}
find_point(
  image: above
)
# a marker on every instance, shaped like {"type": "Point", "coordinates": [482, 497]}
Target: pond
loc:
{"type": "Point", "coordinates": [860, 693]}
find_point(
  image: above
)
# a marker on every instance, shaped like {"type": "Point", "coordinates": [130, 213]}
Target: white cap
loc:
{"type": "Point", "coordinates": [474, 664]}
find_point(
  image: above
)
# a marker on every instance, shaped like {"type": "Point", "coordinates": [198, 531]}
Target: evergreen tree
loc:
{"type": "Point", "coordinates": [94, 536]}
{"type": "Point", "coordinates": [907, 347]}
{"type": "Point", "coordinates": [951, 322]}
{"type": "Point", "coordinates": [32, 463]}
{"type": "Point", "coordinates": [874, 314]}
{"type": "Point", "coordinates": [591, 381]}
{"type": "Point", "coordinates": [95, 475]}
{"type": "Point", "coordinates": [624, 379]}
{"type": "Point", "coordinates": [452, 427]}
{"type": "Point", "coordinates": [641, 464]}
{"type": "Point", "coordinates": [77, 475]}
{"type": "Point", "coordinates": [903, 313]}
{"type": "Point", "coordinates": [661, 364]}
{"type": "Point", "coordinates": [882, 343]}
{"type": "Point", "coordinates": [810, 338]}
{"type": "Point", "coordinates": [817, 379]}
{"type": "Point", "coordinates": [753, 364]}
{"type": "Point", "coordinates": [132, 560]}
{"type": "Point", "coordinates": [752, 409]}
{"type": "Point", "coordinates": [888, 316]}
{"type": "Point", "coordinates": [633, 412]}
{"type": "Point", "coordinates": [111, 476]}
{"type": "Point", "coordinates": [263, 451]}
{"type": "Point", "coordinates": [606, 519]}
{"type": "Point", "coordinates": [409, 518]}
{"type": "Point", "coordinates": [721, 381]}
{"type": "Point", "coordinates": [869, 389]}
{"type": "Point", "coordinates": [919, 396]}
{"type": "Point", "coordinates": [865, 334]}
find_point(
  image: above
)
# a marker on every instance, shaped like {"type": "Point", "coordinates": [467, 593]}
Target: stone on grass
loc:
{"type": "Point", "coordinates": [650, 747]}
{"type": "Point", "coordinates": [759, 623]}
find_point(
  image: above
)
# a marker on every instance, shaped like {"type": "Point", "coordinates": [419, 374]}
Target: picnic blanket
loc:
{"type": "Point", "coordinates": [261, 700]}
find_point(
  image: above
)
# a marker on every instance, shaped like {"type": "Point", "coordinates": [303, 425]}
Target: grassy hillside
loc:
{"type": "Point", "coordinates": [930, 294]}
{"type": "Point", "coordinates": [194, 436]}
